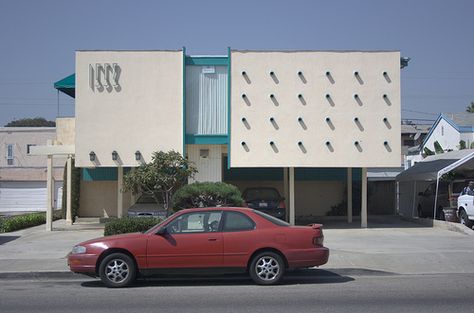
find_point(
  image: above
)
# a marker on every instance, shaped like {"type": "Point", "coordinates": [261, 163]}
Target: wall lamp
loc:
{"type": "Point", "coordinates": [92, 156]}
{"type": "Point", "coordinates": [138, 155]}
{"type": "Point", "coordinates": [114, 155]}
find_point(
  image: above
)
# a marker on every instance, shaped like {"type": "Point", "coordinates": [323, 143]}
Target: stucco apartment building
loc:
{"type": "Point", "coordinates": [23, 177]}
{"type": "Point", "coordinates": [309, 123]}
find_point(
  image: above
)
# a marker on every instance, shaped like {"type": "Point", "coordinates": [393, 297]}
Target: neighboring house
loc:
{"type": "Point", "coordinates": [448, 130]}
{"type": "Point", "coordinates": [300, 121]}
{"type": "Point", "coordinates": [412, 136]}
{"type": "Point", "coordinates": [23, 177]}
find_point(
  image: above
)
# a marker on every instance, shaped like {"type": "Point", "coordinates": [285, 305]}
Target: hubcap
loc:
{"type": "Point", "coordinates": [116, 270]}
{"type": "Point", "coordinates": [267, 268]}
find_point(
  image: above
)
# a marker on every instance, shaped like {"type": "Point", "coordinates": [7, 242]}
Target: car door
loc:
{"type": "Point", "coordinates": [191, 240]}
{"type": "Point", "coordinates": [240, 235]}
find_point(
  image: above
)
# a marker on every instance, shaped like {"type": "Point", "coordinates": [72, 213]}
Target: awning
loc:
{"type": "Point", "coordinates": [434, 166]}
{"type": "Point", "coordinates": [67, 85]}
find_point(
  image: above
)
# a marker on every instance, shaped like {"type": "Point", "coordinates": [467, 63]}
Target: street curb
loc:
{"type": "Point", "coordinates": [38, 275]}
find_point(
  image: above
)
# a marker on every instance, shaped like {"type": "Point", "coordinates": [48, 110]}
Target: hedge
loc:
{"type": "Point", "coordinates": [199, 195]}
{"type": "Point", "coordinates": [17, 222]}
{"type": "Point", "coordinates": [129, 225]}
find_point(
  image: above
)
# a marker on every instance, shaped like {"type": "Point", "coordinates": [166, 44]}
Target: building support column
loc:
{"type": "Point", "coordinates": [349, 195]}
{"type": "Point", "coordinates": [133, 197]}
{"type": "Point", "coordinates": [285, 192]}
{"type": "Point", "coordinates": [292, 195]}
{"type": "Point", "coordinates": [49, 193]}
{"type": "Point", "coordinates": [68, 190]}
{"type": "Point", "coordinates": [414, 200]}
{"type": "Point", "coordinates": [119, 191]}
{"type": "Point", "coordinates": [363, 205]}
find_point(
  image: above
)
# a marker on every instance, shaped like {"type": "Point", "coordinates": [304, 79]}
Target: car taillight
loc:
{"type": "Point", "coordinates": [318, 241]}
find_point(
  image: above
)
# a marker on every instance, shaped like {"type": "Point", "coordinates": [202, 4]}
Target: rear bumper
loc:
{"type": "Point", "coordinates": [82, 263]}
{"type": "Point", "coordinates": [307, 257]}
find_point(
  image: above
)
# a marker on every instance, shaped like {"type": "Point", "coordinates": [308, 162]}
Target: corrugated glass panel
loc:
{"type": "Point", "coordinates": [206, 100]}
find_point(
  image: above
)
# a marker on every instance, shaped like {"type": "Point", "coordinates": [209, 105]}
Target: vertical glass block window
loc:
{"type": "Point", "coordinates": [9, 154]}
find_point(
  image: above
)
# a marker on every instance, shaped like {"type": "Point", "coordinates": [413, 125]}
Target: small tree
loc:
{"type": "Point", "coordinates": [31, 122]}
{"type": "Point", "coordinates": [438, 148]}
{"type": "Point", "coordinates": [470, 107]}
{"type": "Point", "coordinates": [428, 151]}
{"type": "Point", "coordinates": [160, 178]}
{"type": "Point", "coordinates": [462, 145]}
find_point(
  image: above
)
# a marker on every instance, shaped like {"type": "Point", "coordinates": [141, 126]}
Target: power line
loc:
{"type": "Point", "coordinates": [420, 112]}
{"type": "Point", "coordinates": [33, 104]}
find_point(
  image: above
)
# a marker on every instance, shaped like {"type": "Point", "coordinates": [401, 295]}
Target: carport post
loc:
{"type": "Point", "coordinates": [49, 192]}
{"type": "Point", "coordinates": [414, 199]}
{"type": "Point", "coordinates": [119, 191]}
{"type": "Point", "coordinates": [349, 195]}
{"type": "Point", "coordinates": [363, 205]}
{"type": "Point", "coordinates": [68, 190]}
{"type": "Point", "coordinates": [436, 196]}
{"type": "Point", "coordinates": [292, 195]}
{"type": "Point", "coordinates": [285, 191]}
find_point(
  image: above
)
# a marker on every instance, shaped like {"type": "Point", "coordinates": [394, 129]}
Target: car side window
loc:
{"type": "Point", "coordinates": [235, 221]}
{"type": "Point", "coordinates": [199, 222]}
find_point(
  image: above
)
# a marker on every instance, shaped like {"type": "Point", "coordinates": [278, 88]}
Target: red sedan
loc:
{"type": "Point", "coordinates": [217, 239]}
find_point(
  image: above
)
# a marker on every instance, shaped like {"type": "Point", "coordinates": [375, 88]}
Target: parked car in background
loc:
{"type": "Point", "coordinates": [210, 239]}
{"type": "Point", "coordinates": [265, 199]}
{"type": "Point", "coordinates": [448, 193]}
{"type": "Point", "coordinates": [146, 206]}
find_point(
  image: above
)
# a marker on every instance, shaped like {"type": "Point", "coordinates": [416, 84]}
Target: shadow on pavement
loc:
{"type": "Point", "coordinates": [5, 239]}
{"type": "Point", "coordinates": [374, 222]}
{"type": "Point", "coordinates": [297, 277]}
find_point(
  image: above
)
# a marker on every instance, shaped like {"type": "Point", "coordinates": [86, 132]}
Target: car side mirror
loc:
{"type": "Point", "coordinates": [162, 231]}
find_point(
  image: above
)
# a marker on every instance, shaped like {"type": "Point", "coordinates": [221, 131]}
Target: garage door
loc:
{"type": "Point", "coordinates": [22, 196]}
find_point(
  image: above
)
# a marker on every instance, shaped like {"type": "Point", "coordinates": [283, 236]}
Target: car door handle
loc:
{"type": "Point", "coordinates": [212, 239]}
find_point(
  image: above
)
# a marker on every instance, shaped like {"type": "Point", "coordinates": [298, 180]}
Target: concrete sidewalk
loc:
{"type": "Point", "coordinates": [36, 250]}
{"type": "Point", "coordinates": [396, 246]}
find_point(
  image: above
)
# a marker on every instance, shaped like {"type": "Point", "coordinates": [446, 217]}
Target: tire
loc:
{"type": "Point", "coordinates": [464, 219]}
{"type": "Point", "coordinates": [267, 268]}
{"type": "Point", "coordinates": [440, 214]}
{"type": "Point", "coordinates": [117, 270]}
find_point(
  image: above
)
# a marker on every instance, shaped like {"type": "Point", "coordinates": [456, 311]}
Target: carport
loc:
{"type": "Point", "coordinates": [430, 170]}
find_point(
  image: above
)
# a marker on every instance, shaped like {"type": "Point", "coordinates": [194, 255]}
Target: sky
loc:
{"type": "Point", "coordinates": [38, 40]}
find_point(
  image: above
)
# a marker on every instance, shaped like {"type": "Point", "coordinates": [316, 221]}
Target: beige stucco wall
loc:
{"type": "Point", "coordinates": [65, 130]}
{"type": "Point", "coordinates": [143, 112]}
{"type": "Point", "coordinates": [342, 132]}
{"type": "Point", "coordinates": [99, 199]}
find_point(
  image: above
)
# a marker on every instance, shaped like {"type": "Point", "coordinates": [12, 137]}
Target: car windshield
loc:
{"type": "Point", "coordinates": [146, 199]}
{"type": "Point", "coordinates": [261, 194]}
{"type": "Point", "coordinates": [272, 219]}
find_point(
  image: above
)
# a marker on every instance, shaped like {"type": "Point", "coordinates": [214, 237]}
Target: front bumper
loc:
{"type": "Point", "coordinates": [82, 263]}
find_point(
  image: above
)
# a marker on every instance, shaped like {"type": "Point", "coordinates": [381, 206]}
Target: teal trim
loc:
{"type": "Point", "coordinates": [228, 104]}
{"type": "Point", "coordinates": [192, 139]}
{"type": "Point", "coordinates": [184, 101]}
{"type": "Point", "coordinates": [206, 61]}
{"type": "Point", "coordinates": [102, 173]}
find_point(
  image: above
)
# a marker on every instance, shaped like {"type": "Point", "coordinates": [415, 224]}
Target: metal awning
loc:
{"type": "Point", "coordinates": [67, 85]}
{"type": "Point", "coordinates": [433, 167]}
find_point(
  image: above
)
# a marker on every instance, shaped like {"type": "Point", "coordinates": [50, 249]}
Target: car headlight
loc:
{"type": "Point", "coordinates": [78, 250]}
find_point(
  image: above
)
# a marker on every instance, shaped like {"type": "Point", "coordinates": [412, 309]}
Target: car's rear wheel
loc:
{"type": "Point", "coordinates": [464, 219]}
{"type": "Point", "coordinates": [267, 268]}
{"type": "Point", "coordinates": [117, 270]}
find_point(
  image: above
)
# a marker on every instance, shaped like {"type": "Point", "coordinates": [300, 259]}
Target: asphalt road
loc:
{"type": "Point", "coordinates": [311, 291]}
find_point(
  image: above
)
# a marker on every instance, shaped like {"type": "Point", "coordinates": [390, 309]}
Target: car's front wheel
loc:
{"type": "Point", "coordinates": [464, 219]}
{"type": "Point", "coordinates": [267, 268]}
{"type": "Point", "coordinates": [117, 270]}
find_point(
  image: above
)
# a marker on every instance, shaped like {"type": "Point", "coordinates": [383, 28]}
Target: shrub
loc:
{"type": "Point", "coordinates": [199, 195]}
{"type": "Point", "coordinates": [17, 222]}
{"type": "Point", "coordinates": [129, 225]}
